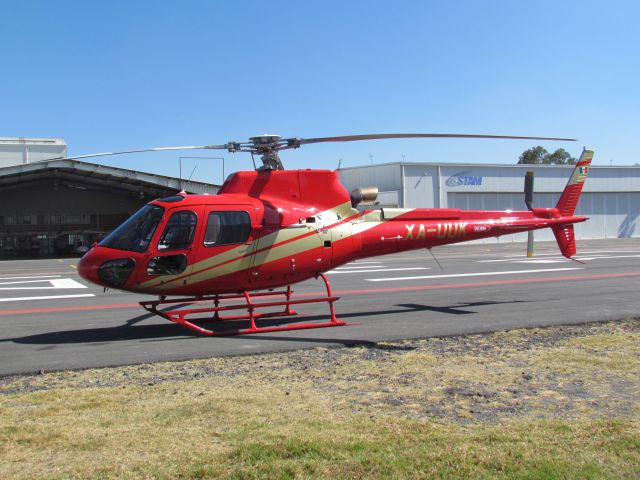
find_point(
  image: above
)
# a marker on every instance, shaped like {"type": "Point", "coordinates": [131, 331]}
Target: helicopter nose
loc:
{"type": "Point", "coordinates": [88, 267]}
{"type": "Point", "coordinates": [106, 267]}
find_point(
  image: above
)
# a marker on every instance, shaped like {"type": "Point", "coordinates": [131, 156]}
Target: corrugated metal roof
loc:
{"type": "Point", "coordinates": [477, 165]}
{"type": "Point", "coordinates": [31, 141]}
{"type": "Point", "coordinates": [96, 172]}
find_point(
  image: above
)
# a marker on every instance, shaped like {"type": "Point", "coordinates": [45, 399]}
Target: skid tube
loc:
{"type": "Point", "coordinates": [179, 316]}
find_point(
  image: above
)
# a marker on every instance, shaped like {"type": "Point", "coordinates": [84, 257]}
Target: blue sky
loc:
{"type": "Point", "coordinates": [124, 74]}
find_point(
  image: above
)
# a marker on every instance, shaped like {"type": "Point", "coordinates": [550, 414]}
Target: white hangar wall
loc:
{"type": "Point", "coordinates": [611, 196]}
{"type": "Point", "coordinates": [21, 150]}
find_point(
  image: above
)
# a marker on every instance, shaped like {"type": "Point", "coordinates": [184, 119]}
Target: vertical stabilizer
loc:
{"type": "Point", "coordinates": [565, 235]}
{"type": "Point", "coordinates": [571, 194]}
{"type": "Point", "coordinates": [566, 240]}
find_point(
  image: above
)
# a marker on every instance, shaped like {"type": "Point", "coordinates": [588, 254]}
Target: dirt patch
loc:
{"type": "Point", "coordinates": [555, 372]}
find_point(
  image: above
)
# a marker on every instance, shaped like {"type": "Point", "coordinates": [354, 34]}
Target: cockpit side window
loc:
{"type": "Point", "coordinates": [179, 232]}
{"type": "Point", "coordinates": [135, 234]}
{"type": "Point", "coordinates": [227, 227]}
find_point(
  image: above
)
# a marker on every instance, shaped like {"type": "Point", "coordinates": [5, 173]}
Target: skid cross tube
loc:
{"type": "Point", "coordinates": [213, 313]}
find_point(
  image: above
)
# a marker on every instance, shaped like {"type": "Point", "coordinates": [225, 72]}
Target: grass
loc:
{"type": "Point", "coordinates": [539, 404]}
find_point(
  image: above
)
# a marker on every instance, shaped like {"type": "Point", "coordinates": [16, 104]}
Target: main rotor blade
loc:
{"type": "Point", "coordinates": [155, 149]}
{"type": "Point", "coordinates": [377, 136]}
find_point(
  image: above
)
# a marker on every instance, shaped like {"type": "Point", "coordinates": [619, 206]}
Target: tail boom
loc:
{"type": "Point", "coordinates": [392, 230]}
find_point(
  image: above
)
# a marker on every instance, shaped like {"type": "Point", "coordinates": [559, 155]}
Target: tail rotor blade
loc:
{"type": "Point", "coordinates": [528, 199]}
{"type": "Point", "coordinates": [528, 190]}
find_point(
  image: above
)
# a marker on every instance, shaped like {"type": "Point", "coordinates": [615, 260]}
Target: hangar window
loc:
{"type": "Point", "coordinates": [71, 219]}
{"type": "Point", "coordinates": [224, 228]}
{"type": "Point", "coordinates": [179, 231]}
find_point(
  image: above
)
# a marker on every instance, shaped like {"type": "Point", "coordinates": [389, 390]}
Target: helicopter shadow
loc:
{"type": "Point", "coordinates": [132, 331]}
{"type": "Point", "coordinates": [458, 309]}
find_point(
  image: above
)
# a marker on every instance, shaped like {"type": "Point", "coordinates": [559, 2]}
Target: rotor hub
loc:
{"type": "Point", "coordinates": [267, 146]}
{"type": "Point", "coordinates": [266, 139]}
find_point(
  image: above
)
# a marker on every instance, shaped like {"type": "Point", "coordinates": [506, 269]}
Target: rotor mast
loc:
{"type": "Point", "coordinates": [267, 146]}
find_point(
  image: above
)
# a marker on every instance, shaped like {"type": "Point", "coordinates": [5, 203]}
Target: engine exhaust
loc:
{"type": "Point", "coordinates": [363, 194]}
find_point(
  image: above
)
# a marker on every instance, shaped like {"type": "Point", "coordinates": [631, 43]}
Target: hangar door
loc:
{"type": "Point", "coordinates": [611, 215]}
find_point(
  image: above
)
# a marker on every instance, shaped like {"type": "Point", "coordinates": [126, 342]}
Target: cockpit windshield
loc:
{"type": "Point", "coordinates": [135, 234]}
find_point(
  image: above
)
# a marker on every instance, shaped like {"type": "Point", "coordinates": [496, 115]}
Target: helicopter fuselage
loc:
{"type": "Point", "coordinates": [269, 228]}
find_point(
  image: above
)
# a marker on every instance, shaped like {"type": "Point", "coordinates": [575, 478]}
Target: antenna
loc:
{"type": "Point", "coordinates": [189, 179]}
{"type": "Point", "coordinates": [201, 158]}
{"type": "Point", "coordinates": [434, 257]}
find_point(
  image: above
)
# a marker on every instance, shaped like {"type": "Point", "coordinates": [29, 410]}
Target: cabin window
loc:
{"type": "Point", "coordinates": [178, 233]}
{"type": "Point", "coordinates": [167, 265]}
{"type": "Point", "coordinates": [172, 199]}
{"type": "Point", "coordinates": [225, 228]}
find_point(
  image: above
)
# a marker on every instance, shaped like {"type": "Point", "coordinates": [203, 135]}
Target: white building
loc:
{"type": "Point", "coordinates": [611, 196]}
{"type": "Point", "coordinates": [19, 150]}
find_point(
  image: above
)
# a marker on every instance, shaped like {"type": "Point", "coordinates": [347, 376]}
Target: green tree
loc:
{"type": "Point", "coordinates": [560, 157]}
{"type": "Point", "coordinates": [539, 155]}
{"type": "Point", "coordinates": [533, 156]}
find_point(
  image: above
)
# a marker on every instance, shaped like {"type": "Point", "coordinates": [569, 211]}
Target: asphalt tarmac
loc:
{"type": "Point", "coordinates": [51, 319]}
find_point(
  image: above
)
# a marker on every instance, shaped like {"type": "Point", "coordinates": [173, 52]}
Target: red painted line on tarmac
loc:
{"type": "Point", "coordinates": [77, 308]}
{"type": "Point", "coordinates": [74, 308]}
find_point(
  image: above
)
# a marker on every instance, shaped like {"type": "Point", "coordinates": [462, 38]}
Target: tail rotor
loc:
{"type": "Point", "coordinates": [528, 200]}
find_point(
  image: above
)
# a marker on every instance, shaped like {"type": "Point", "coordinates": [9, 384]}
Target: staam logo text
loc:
{"type": "Point", "coordinates": [463, 179]}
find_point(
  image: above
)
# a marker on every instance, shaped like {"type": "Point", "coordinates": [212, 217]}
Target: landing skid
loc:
{"type": "Point", "coordinates": [213, 313]}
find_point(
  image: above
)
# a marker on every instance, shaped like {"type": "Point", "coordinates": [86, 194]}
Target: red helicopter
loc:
{"type": "Point", "coordinates": [270, 228]}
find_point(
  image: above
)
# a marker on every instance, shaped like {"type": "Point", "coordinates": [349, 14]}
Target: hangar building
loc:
{"type": "Point", "coordinates": [611, 196]}
{"type": "Point", "coordinates": [53, 206]}
{"type": "Point", "coordinates": [25, 150]}
{"type": "Point", "coordinates": [50, 205]}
